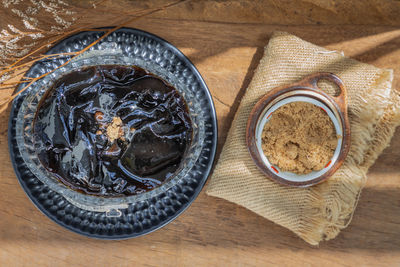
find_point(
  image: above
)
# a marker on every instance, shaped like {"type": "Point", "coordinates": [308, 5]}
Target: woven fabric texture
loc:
{"type": "Point", "coordinates": [316, 213]}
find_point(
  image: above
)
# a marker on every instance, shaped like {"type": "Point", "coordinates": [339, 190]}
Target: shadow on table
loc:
{"type": "Point", "coordinates": [233, 36]}
{"type": "Point", "coordinates": [215, 222]}
{"type": "Point", "coordinates": [375, 226]}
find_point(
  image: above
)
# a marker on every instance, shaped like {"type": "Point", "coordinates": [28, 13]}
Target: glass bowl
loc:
{"type": "Point", "coordinates": [123, 47]}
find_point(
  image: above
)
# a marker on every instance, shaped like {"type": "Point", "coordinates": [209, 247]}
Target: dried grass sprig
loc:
{"type": "Point", "coordinates": [19, 64]}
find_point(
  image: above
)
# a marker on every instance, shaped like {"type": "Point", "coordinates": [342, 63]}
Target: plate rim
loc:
{"type": "Point", "coordinates": [170, 218]}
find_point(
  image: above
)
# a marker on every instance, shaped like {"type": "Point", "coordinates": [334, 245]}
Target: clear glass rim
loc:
{"type": "Point", "coordinates": [108, 54]}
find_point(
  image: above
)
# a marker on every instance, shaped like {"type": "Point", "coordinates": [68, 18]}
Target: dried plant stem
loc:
{"type": "Point", "coordinates": [8, 87]}
{"type": "Point", "coordinates": [15, 66]}
{"type": "Point", "coordinates": [40, 58]}
{"type": "Point", "coordinates": [62, 36]}
{"type": "Point", "coordinates": [10, 84]}
{"type": "Point", "coordinates": [37, 50]}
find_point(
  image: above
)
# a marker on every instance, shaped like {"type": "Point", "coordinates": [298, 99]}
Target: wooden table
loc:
{"type": "Point", "coordinates": [213, 231]}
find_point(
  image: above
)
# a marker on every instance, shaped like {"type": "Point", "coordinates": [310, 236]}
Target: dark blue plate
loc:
{"type": "Point", "coordinates": [141, 217]}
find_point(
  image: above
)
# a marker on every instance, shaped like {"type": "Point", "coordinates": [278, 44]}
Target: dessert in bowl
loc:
{"type": "Point", "coordinates": [123, 136]}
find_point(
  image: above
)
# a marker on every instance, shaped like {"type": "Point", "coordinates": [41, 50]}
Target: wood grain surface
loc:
{"type": "Point", "coordinates": [214, 232]}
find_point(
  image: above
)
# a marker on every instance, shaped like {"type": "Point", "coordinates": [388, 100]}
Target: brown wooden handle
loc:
{"type": "Point", "coordinates": [312, 81]}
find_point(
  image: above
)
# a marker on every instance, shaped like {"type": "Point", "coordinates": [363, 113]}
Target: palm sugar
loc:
{"type": "Point", "coordinates": [299, 137]}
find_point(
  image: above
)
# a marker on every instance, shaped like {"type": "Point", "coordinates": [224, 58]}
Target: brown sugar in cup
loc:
{"type": "Point", "coordinates": [305, 91]}
{"type": "Point", "coordinates": [299, 137]}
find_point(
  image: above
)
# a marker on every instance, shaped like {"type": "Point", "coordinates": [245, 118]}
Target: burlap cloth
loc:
{"type": "Point", "coordinates": [319, 212]}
